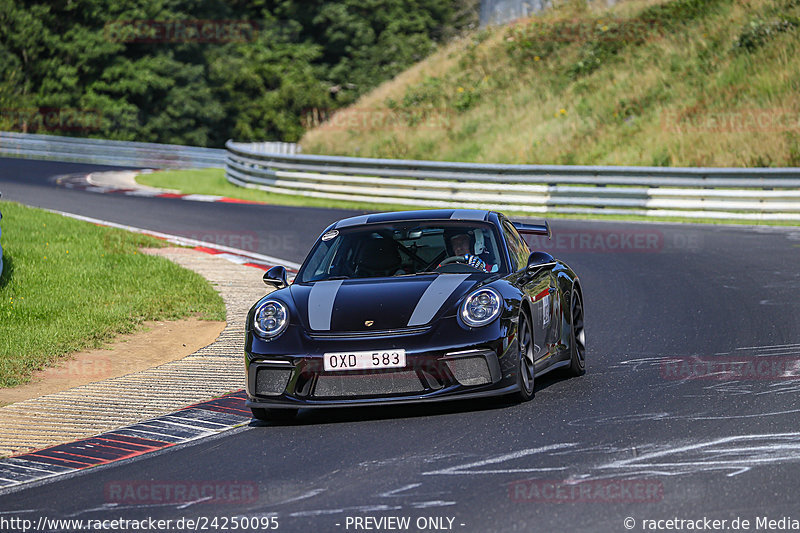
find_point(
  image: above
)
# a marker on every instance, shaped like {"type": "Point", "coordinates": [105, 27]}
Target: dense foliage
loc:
{"type": "Point", "coordinates": [199, 73]}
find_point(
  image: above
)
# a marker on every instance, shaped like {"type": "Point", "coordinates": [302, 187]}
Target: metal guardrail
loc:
{"type": "Point", "coordinates": [503, 11]}
{"type": "Point", "coordinates": [722, 193]}
{"type": "Point", "coordinates": [105, 152]}
{"type": "Point", "coordinates": [275, 148]}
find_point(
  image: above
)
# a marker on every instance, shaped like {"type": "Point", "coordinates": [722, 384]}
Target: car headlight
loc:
{"type": "Point", "coordinates": [271, 318]}
{"type": "Point", "coordinates": [481, 307]}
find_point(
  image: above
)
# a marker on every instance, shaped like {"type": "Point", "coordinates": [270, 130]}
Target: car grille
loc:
{"type": "Point", "coordinates": [352, 385]}
{"type": "Point", "coordinates": [272, 381]}
{"type": "Point", "coordinates": [470, 370]}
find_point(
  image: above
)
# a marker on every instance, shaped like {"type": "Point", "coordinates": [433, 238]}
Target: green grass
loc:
{"type": "Point", "coordinates": [213, 182]}
{"type": "Point", "coordinates": [68, 285]}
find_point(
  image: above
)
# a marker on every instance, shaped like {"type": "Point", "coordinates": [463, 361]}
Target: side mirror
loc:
{"type": "Point", "coordinates": [538, 260]}
{"type": "Point", "coordinates": [276, 276]}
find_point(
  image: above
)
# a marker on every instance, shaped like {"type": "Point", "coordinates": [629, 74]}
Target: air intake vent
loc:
{"type": "Point", "coordinates": [344, 386]}
{"type": "Point", "coordinates": [470, 370]}
{"type": "Point", "coordinates": [272, 381]}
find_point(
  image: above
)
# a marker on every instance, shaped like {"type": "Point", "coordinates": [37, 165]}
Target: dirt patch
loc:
{"type": "Point", "coordinates": [159, 343]}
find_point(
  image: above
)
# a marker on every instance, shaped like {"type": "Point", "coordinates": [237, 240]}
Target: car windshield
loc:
{"type": "Point", "coordinates": [404, 249]}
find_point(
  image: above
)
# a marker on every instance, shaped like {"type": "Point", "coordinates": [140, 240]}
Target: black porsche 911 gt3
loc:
{"type": "Point", "coordinates": [413, 306]}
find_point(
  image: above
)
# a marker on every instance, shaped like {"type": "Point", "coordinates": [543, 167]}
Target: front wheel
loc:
{"type": "Point", "coordinates": [273, 415]}
{"type": "Point", "coordinates": [577, 364]}
{"type": "Point", "coordinates": [525, 370]}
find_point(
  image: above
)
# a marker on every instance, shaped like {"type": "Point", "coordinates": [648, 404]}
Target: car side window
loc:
{"type": "Point", "coordinates": [517, 247]}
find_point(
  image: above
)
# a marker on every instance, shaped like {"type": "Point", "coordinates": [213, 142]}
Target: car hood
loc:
{"type": "Point", "coordinates": [375, 304]}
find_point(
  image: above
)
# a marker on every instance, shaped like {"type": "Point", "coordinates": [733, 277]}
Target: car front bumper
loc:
{"type": "Point", "coordinates": [486, 366]}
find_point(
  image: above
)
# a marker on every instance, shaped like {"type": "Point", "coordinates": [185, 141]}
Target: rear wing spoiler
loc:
{"type": "Point", "coordinates": [534, 229]}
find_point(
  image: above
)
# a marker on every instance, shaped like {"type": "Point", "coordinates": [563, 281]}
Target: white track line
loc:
{"type": "Point", "coordinates": [183, 241]}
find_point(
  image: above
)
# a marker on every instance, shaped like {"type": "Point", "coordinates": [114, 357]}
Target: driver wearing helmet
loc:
{"type": "Point", "coordinates": [461, 245]}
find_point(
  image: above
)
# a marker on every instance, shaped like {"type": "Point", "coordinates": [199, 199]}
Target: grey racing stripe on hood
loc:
{"type": "Point", "coordinates": [320, 304]}
{"type": "Point", "coordinates": [434, 297]}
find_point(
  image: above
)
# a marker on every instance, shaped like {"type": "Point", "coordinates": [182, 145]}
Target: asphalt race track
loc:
{"type": "Point", "coordinates": [653, 430]}
{"type": "Point", "coordinates": [286, 232]}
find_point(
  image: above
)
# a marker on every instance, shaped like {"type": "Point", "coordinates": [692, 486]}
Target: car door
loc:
{"type": "Point", "coordinates": [540, 289]}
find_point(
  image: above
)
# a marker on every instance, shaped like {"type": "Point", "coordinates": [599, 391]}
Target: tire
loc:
{"type": "Point", "coordinates": [577, 364]}
{"type": "Point", "coordinates": [525, 366]}
{"type": "Point", "coordinates": [273, 415]}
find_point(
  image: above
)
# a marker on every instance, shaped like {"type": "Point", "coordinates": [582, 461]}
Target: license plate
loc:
{"type": "Point", "coordinates": [365, 360]}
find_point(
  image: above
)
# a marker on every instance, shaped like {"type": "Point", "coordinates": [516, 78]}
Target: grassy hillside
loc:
{"type": "Point", "coordinates": [664, 83]}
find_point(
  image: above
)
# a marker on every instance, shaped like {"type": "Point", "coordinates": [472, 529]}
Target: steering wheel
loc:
{"type": "Point", "coordinates": [458, 259]}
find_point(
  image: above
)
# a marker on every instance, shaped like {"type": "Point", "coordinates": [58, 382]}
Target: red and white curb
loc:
{"type": "Point", "coordinates": [191, 423]}
{"type": "Point", "coordinates": [83, 182]}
